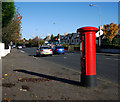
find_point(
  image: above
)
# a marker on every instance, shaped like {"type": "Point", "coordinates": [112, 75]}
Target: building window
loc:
{"type": "Point", "coordinates": [77, 40]}
{"type": "Point", "coordinates": [68, 41]}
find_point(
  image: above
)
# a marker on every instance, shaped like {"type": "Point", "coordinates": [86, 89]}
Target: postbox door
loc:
{"type": "Point", "coordinates": [83, 59]}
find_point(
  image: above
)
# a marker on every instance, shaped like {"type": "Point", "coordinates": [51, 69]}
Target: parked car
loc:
{"type": "Point", "coordinates": [13, 46]}
{"type": "Point", "coordinates": [19, 47]}
{"type": "Point", "coordinates": [44, 50]}
{"type": "Point", "coordinates": [58, 50]}
{"type": "Point", "coordinates": [23, 46]}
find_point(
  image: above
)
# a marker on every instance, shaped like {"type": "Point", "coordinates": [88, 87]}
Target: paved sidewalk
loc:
{"type": "Point", "coordinates": [31, 78]}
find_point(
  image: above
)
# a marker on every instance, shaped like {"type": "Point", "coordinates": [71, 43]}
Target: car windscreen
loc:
{"type": "Point", "coordinates": [60, 47]}
{"type": "Point", "coordinates": [45, 48]}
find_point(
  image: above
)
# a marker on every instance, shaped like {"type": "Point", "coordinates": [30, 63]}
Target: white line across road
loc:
{"type": "Point", "coordinates": [22, 51]}
{"type": "Point", "coordinates": [117, 59]}
{"type": "Point", "coordinates": [65, 57]}
{"type": "Point", "coordinates": [36, 58]}
{"type": "Point", "coordinates": [112, 59]}
{"type": "Point", "coordinates": [107, 58]}
{"type": "Point", "coordinates": [107, 54]}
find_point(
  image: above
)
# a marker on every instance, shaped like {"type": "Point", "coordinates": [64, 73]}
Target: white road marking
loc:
{"type": "Point", "coordinates": [65, 57]}
{"type": "Point", "coordinates": [36, 58]}
{"type": "Point", "coordinates": [108, 54]}
{"type": "Point", "coordinates": [22, 51]}
{"type": "Point", "coordinates": [112, 59]}
{"type": "Point", "coordinates": [107, 58]}
{"type": "Point", "coordinates": [117, 59]}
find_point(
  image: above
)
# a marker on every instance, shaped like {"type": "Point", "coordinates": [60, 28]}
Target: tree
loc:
{"type": "Point", "coordinates": [16, 26]}
{"type": "Point", "coordinates": [8, 11]}
{"type": "Point", "coordinates": [110, 31]}
{"type": "Point", "coordinates": [51, 36]}
{"type": "Point", "coordinates": [12, 31]}
{"type": "Point", "coordinates": [41, 42]}
{"type": "Point", "coordinates": [34, 41]}
{"type": "Point", "coordinates": [30, 42]}
{"type": "Point", "coordinates": [119, 29]}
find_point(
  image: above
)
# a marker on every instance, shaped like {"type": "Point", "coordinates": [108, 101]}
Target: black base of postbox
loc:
{"type": "Point", "coordinates": [88, 80]}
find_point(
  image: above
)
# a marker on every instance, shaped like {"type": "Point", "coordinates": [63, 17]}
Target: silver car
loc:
{"type": "Point", "coordinates": [44, 50]}
{"type": "Point", "coordinates": [19, 47]}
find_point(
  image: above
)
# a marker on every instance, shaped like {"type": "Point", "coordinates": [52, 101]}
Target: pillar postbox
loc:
{"type": "Point", "coordinates": [88, 55]}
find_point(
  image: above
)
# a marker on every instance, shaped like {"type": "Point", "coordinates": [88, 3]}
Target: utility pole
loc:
{"type": "Point", "coordinates": [99, 39]}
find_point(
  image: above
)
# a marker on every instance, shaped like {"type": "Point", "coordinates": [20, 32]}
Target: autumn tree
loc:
{"type": "Point", "coordinates": [12, 31]}
{"type": "Point", "coordinates": [119, 29]}
{"type": "Point", "coordinates": [110, 31]}
{"type": "Point", "coordinates": [16, 36]}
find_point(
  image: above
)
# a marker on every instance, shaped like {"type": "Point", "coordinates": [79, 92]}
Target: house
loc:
{"type": "Point", "coordinates": [77, 39]}
{"type": "Point", "coordinates": [72, 39]}
{"type": "Point", "coordinates": [69, 39]}
{"type": "Point", "coordinates": [56, 40]}
{"type": "Point", "coordinates": [46, 39]}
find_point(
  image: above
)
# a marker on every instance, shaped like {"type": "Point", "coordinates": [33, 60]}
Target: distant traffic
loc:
{"type": "Point", "coordinates": [46, 50]}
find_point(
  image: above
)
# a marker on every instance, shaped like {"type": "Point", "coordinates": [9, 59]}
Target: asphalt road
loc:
{"type": "Point", "coordinates": [107, 64]}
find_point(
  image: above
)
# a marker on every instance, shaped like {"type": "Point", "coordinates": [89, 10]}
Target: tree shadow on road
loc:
{"type": "Point", "coordinates": [32, 55]}
{"type": "Point", "coordinates": [50, 77]}
{"type": "Point", "coordinates": [39, 55]}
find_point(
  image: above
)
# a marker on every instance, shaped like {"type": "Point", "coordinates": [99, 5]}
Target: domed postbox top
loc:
{"type": "Point", "coordinates": [84, 29]}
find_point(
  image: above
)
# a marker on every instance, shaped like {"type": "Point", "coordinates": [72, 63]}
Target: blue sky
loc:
{"type": "Point", "coordinates": [46, 18]}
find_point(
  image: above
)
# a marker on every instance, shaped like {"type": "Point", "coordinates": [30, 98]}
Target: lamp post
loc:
{"type": "Point", "coordinates": [99, 39]}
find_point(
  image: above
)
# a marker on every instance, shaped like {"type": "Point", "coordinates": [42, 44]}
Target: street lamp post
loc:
{"type": "Point", "coordinates": [99, 39]}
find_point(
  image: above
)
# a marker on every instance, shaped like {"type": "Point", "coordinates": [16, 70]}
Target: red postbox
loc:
{"type": "Point", "coordinates": [88, 55]}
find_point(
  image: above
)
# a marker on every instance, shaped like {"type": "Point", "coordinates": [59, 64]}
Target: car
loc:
{"type": "Point", "coordinates": [44, 50]}
{"type": "Point", "coordinates": [23, 46]}
{"type": "Point", "coordinates": [19, 47]}
{"type": "Point", "coordinates": [13, 46]}
{"type": "Point", "coordinates": [58, 50]}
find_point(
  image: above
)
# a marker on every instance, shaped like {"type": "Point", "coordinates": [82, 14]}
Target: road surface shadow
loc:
{"type": "Point", "coordinates": [108, 55]}
{"type": "Point", "coordinates": [39, 56]}
{"type": "Point", "coordinates": [32, 55]}
{"type": "Point", "coordinates": [50, 77]}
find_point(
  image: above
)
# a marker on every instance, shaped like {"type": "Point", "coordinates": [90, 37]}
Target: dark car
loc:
{"type": "Point", "coordinates": [58, 50]}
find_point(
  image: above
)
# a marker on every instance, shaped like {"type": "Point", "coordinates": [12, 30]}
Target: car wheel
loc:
{"type": "Point", "coordinates": [37, 55]}
{"type": "Point", "coordinates": [51, 55]}
{"type": "Point", "coordinates": [54, 53]}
